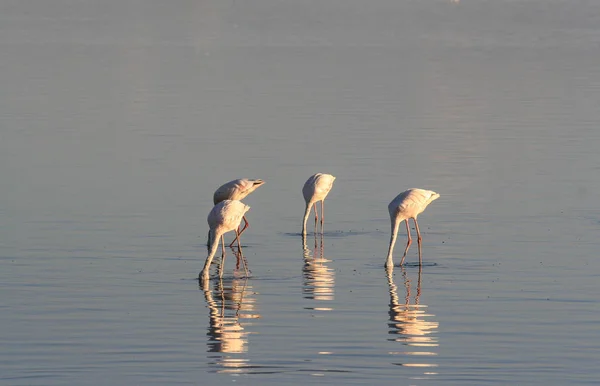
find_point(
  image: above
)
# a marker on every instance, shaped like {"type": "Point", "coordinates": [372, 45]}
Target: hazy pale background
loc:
{"type": "Point", "coordinates": [118, 119]}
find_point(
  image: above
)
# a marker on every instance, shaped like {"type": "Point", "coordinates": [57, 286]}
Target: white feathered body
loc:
{"type": "Point", "coordinates": [236, 189]}
{"type": "Point", "coordinates": [226, 216]}
{"type": "Point", "coordinates": [410, 203]}
{"type": "Point", "coordinates": [317, 187]}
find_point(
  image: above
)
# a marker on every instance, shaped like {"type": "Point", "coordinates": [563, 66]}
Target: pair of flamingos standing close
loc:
{"type": "Point", "coordinates": [229, 211]}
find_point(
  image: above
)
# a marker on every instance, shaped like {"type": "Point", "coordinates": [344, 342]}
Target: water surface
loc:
{"type": "Point", "coordinates": [119, 119]}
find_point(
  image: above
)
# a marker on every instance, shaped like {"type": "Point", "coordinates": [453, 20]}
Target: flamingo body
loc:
{"type": "Point", "coordinates": [236, 189]}
{"type": "Point", "coordinates": [406, 205]}
{"type": "Point", "coordinates": [315, 189]}
{"type": "Point", "coordinates": [224, 217]}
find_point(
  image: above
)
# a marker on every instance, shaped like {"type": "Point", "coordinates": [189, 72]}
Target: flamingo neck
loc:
{"type": "Point", "coordinates": [394, 233]}
{"type": "Point", "coordinates": [216, 237]}
{"type": "Point", "coordinates": [306, 213]}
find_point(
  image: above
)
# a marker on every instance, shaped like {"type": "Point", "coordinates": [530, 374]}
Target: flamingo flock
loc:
{"type": "Point", "coordinates": [229, 211]}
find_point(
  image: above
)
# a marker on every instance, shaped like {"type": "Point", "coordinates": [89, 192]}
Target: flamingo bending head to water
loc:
{"type": "Point", "coordinates": [316, 189]}
{"type": "Point", "coordinates": [224, 217]}
{"type": "Point", "coordinates": [408, 204]}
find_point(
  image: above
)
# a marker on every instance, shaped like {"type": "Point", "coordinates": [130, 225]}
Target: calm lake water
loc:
{"type": "Point", "coordinates": [119, 119]}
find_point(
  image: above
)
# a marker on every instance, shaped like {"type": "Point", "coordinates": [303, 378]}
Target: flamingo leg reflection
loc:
{"type": "Point", "coordinates": [240, 256]}
{"type": "Point", "coordinates": [316, 216]}
{"type": "Point", "coordinates": [418, 240]}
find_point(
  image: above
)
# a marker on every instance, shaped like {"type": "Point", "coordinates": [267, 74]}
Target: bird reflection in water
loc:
{"type": "Point", "coordinates": [232, 305]}
{"type": "Point", "coordinates": [411, 325]}
{"type": "Point", "coordinates": [319, 279]}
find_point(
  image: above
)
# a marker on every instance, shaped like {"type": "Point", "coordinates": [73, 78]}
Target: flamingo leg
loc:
{"type": "Point", "coordinates": [246, 224]}
{"type": "Point", "coordinates": [239, 232]}
{"type": "Point", "coordinates": [322, 214]}
{"type": "Point", "coordinates": [222, 257]}
{"type": "Point", "coordinates": [237, 257]}
{"type": "Point", "coordinates": [418, 239]}
{"type": "Point", "coordinates": [407, 244]}
{"type": "Point", "coordinates": [237, 237]}
{"type": "Point", "coordinates": [222, 247]}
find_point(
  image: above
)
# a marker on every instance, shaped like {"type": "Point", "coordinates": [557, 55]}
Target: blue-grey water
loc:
{"type": "Point", "coordinates": [119, 119]}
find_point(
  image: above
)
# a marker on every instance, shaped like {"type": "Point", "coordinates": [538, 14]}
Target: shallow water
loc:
{"type": "Point", "coordinates": [119, 119]}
